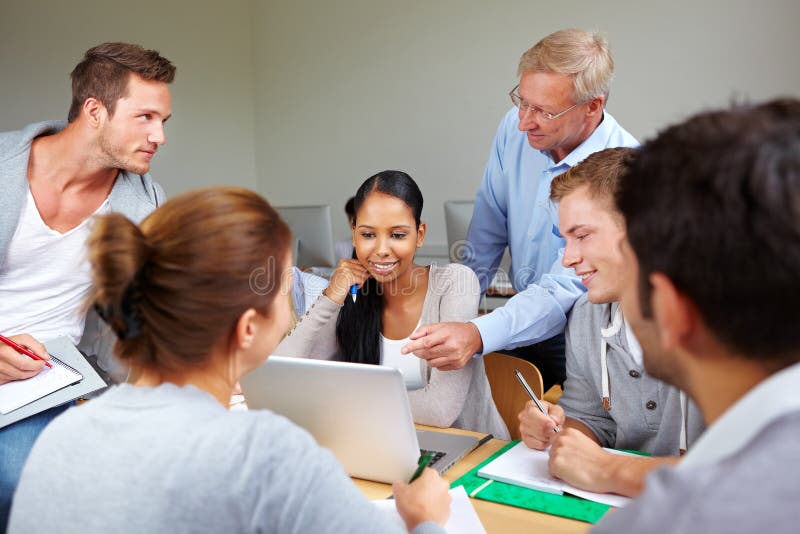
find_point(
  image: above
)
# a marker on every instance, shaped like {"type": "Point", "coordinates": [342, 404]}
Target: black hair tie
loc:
{"type": "Point", "coordinates": [129, 311]}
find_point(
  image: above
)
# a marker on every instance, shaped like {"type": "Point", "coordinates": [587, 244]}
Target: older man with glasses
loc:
{"type": "Point", "coordinates": [558, 119]}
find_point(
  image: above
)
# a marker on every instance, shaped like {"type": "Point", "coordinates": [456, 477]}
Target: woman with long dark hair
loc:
{"type": "Point", "coordinates": [394, 297]}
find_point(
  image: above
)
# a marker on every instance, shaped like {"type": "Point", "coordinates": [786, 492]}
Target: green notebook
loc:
{"type": "Point", "coordinates": [500, 492]}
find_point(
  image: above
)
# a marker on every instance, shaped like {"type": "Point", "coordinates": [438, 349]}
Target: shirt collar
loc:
{"type": "Point", "coordinates": [598, 140]}
{"type": "Point", "coordinates": [770, 400]}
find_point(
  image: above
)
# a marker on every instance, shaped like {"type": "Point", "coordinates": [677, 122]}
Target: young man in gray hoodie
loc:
{"type": "Point", "coordinates": [609, 400]}
{"type": "Point", "coordinates": [53, 177]}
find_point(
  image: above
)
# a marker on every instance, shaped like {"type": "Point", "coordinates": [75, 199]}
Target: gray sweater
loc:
{"type": "Point", "coordinates": [460, 399]}
{"type": "Point", "coordinates": [133, 195]}
{"type": "Point", "coordinates": [172, 459]}
{"type": "Point", "coordinates": [740, 477]}
{"type": "Point", "coordinates": [645, 412]}
{"type": "Point", "coordinates": [754, 490]}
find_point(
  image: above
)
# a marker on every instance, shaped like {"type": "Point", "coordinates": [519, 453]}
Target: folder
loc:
{"type": "Point", "coordinates": [549, 503]}
{"type": "Point", "coordinates": [529, 468]}
{"type": "Point", "coordinates": [90, 382]}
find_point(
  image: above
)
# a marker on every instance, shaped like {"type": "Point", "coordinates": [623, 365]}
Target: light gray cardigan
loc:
{"type": "Point", "coordinates": [133, 195]}
{"type": "Point", "coordinates": [460, 399]}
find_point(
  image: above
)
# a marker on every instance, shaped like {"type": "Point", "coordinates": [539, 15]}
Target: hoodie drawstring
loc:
{"type": "Point", "coordinates": [611, 331]}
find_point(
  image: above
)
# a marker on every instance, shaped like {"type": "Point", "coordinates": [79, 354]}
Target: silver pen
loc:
{"type": "Point", "coordinates": [532, 396]}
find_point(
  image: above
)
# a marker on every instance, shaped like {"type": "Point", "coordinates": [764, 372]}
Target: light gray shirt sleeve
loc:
{"type": "Point", "coordinates": [172, 459]}
{"type": "Point", "coordinates": [754, 490]}
{"type": "Point", "coordinates": [314, 336]}
{"type": "Point", "coordinates": [319, 497]}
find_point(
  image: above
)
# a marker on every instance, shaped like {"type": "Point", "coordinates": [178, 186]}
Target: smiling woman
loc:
{"type": "Point", "coordinates": [395, 296]}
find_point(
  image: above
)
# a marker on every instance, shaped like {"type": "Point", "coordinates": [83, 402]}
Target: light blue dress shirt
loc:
{"type": "Point", "coordinates": [306, 289]}
{"type": "Point", "coordinates": [513, 208]}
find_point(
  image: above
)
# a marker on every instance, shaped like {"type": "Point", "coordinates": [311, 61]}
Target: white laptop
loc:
{"type": "Point", "coordinates": [360, 412]}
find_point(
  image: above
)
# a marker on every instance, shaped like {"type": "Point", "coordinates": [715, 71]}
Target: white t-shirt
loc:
{"type": "Point", "coordinates": [408, 364]}
{"type": "Point", "coordinates": [633, 344]}
{"type": "Point", "coordinates": [45, 278]}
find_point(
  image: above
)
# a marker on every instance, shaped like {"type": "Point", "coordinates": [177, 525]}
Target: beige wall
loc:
{"type": "Point", "coordinates": [344, 89]}
{"type": "Point", "coordinates": [304, 99]}
{"type": "Point", "coordinates": [210, 136]}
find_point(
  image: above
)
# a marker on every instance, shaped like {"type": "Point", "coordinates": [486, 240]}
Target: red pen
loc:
{"type": "Point", "coordinates": [23, 350]}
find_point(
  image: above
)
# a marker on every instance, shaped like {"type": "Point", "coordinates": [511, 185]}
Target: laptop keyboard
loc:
{"type": "Point", "coordinates": [437, 455]}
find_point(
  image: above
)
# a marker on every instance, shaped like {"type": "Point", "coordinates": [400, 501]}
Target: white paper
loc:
{"type": "Point", "coordinates": [524, 467]}
{"type": "Point", "coordinates": [463, 519]}
{"type": "Point", "coordinates": [408, 364]}
{"type": "Point", "coordinates": [528, 468]}
{"type": "Point", "coordinates": [18, 393]}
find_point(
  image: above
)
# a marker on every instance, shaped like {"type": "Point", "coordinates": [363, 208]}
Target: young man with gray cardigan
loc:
{"type": "Point", "coordinates": [54, 177]}
{"type": "Point", "coordinates": [609, 400]}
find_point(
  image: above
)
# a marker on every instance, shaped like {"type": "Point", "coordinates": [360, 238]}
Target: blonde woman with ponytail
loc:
{"type": "Point", "coordinates": [197, 299]}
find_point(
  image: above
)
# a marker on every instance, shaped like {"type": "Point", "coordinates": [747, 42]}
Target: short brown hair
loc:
{"type": "Point", "coordinates": [600, 172]}
{"type": "Point", "coordinates": [176, 285]}
{"type": "Point", "coordinates": [583, 55]}
{"type": "Point", "coordinates": [105, 69]}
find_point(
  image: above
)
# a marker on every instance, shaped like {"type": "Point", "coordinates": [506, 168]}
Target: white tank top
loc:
{"type": "Point", "coordinates": [408, 364]}
{"type": "Point", "coordinates": [45, 278]}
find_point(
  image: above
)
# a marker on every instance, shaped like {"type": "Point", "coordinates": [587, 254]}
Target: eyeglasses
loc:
{"type": "Point", "coordinates": [546, 115]}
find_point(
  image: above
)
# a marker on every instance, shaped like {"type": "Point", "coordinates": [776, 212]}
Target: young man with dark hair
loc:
{"type": "Point", "coordinates": [53, 177]}
{"type": "Point", "coordinates": [609, 400]}
{"type": "Point", "coordinates": [712, 208]}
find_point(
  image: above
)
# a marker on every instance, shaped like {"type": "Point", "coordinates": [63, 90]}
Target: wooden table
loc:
{"type": "Point", "coordinates": [496, 518]}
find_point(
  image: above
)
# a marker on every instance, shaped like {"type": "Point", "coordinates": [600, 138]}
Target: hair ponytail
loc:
{"type": "Point", "coordinates": [176, 285]}
{"type": "Point", "coordinates": [118, 252]}
{"type": "Point", "coordinates": [358, 327]}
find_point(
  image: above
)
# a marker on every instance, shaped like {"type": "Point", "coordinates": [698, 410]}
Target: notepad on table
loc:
{"type": "Point", "coordinates": [528, 468]}
{"type": "Point", "coordinates": [463, 519]}
{"type": "Point", "coordinates": [18, 393]}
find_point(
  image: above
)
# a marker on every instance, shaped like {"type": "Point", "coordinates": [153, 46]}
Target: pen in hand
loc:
{"type": "Point", "coordinates": [424, 461]}
{"type": "Point", "coordinates": [22, 350]}
{"type": "Point", "coordinates": [532, 396]}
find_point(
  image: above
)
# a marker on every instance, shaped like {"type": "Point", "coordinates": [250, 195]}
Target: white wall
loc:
{"type": "Point", "coordinates": [210, 136]}
{"type": "Point", "coordinates": [304, 99]}
{"type": "Point", "coordinates": [347, 88]}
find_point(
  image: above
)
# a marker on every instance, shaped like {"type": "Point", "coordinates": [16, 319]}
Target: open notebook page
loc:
{"type": "Point", "coordinates": [18, 393]}
{"type": "Point", "coordinates": [528, 468]}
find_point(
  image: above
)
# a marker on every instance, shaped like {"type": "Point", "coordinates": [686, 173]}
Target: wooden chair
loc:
{"type": "Point", "coordinates": [553, 394]}
{"type": "Point", "coordinates": [508, 394]}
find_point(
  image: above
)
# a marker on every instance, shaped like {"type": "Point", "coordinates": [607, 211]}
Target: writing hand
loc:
{"type": "Point", "coordinates": [16, 366]}
{"type": "Point", "coordinates": [538, 429]}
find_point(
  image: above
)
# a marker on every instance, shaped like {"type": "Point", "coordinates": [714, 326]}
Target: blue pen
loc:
{"type": "Point", "coordinates": [353, 291]}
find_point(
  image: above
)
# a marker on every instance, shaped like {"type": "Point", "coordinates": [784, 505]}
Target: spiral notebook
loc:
{"type": "Point", "coordinates": [19, 393]}
{"type": "Point", "coordinates": [71, 376]}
